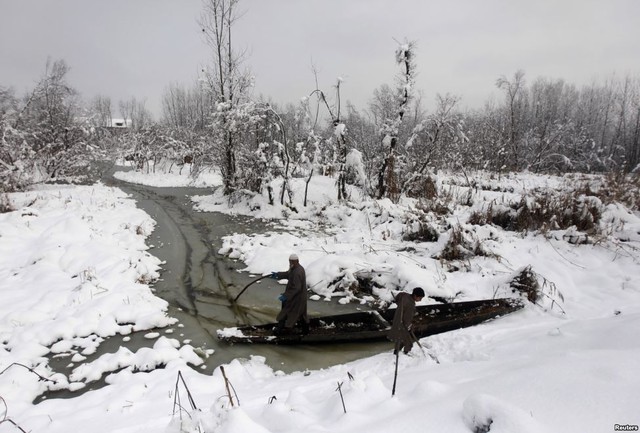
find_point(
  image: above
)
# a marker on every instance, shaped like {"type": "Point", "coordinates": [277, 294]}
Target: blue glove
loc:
{"type": "Point", "coordinates": [274, 275]}
{"type": "Point", "coordinates": [282, 298]}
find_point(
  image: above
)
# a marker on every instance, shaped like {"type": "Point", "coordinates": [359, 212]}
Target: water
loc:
{"type": "Point", "coordinates": [200, 285]}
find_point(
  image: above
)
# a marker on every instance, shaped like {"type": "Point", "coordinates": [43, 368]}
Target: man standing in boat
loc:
{"type": "Point", "coordinates": [400, 332]}
{"type": "Point", "coordinates": [294, 298]}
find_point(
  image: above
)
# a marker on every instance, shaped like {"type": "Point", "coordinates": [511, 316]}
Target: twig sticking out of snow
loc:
{"type": "Point", "coordinates": [339, 389]}
{"type": "Point", "coordinates": [229, 387]}
{"type": "Point", "coordinates": [30, 369]}
{"type": "Point", "coordinates": [176, 396]}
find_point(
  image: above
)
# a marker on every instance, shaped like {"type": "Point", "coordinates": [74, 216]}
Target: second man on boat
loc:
{"type": "Point", "coordinates": [401, 333]}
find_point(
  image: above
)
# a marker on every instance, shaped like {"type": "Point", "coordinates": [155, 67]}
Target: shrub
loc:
{"type": "Point", "coordinates": [543, 211]}
{"type": "Point", "coordinates": [461, 245]}
{"type": "Point", "coordinates": [526, 283]}
{"type": "Point", "coordinates": [421, 231]}
{"type": "Point", "coordinates": [5, 204]}
{"type": "Point", "coordinates": [423, 187]}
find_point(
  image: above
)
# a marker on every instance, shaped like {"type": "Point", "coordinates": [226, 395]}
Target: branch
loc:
{"type": "Point", "coordinates": [30, 369]}
{"type": "Point", "coordinates": [7, 166]}
{"type": "Point", "coordinates": [323, 99]}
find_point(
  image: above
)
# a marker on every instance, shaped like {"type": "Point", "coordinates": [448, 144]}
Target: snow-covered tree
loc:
{"type": "Point", "coordinates": [337, 145]}
{"type": "Point", "coordinates": [45, 135]}
{"type": "Point", "coordinates": [516, 100]}
{"type": "Point", "coordinates": [14, 150]}
{"type": "Point", "coordinates": [436, 142]}
{"type": "Point", "coordinates": [388, 182]}
{"type": "Point", "coordinates": [228, 85]}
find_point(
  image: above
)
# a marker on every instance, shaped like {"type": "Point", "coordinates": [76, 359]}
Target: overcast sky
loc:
{"type": "Point", "coordinates": [125, 48]}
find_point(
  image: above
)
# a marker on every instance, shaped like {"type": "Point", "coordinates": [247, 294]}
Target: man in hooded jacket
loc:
{"type": "Point", "coordinates": [294, 298]}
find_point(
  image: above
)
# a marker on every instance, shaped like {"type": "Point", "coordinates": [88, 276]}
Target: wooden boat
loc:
{"type": "Point", "coordinates": [374, 325]}
{"type": "Point", "coordinates": [435, 319]}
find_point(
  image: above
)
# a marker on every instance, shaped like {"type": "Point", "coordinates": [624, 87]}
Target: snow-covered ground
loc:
{"type": "Point", "coordinates": [74, 270]}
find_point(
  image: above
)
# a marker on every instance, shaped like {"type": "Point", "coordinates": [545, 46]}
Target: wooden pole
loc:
{"type": "Point", "coordinates": [247, 286]}
{"type": "Point", "coordinates": [339, 389]}
{"type": "Point", "coordinates": [425, 353]}
{"type": "Point", "coordinates": [395, 375]}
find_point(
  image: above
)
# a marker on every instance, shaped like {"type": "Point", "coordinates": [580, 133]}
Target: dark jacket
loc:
{"type": "Point", "coordinates": [402, 319]}
{"type": "Point", "coordinates": [295, 306]}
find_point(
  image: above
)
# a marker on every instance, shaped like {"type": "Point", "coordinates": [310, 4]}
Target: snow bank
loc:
{"type": "Point", "coordinates": [568, 364]}
{"type": "Point", "coordinates": [75, 270]}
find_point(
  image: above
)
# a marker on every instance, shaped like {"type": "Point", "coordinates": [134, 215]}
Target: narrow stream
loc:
{"type": "Point", "coordinates": [200, 284]}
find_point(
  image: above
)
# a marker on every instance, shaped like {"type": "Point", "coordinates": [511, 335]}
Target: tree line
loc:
{"type": "Point", "coordinates": [390, 148]}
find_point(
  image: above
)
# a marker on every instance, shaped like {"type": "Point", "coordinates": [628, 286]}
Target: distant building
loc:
{"type": "Point", "coordinates": [120, 123]}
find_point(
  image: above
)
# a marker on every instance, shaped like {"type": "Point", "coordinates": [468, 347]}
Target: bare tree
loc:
{"type": "Point", "coordinates": [436, 141]}
{"type": "Point", "coordinates": [383, 105]}
{"type": "Point", "coordinates": [514, 90]}
{"type": "Point", "coordinates": [102, 110]}
{"type": "Point", "coordinates": [135, 114]}
{"type": "Point", "coordinates": [339, 141]}
{"type": "Point", "coordinates": [226, 81]}
{"type": "Point", "coordinates": [126, 111]}
{"type": "Point", "coordinates": [186, 107]}
{"type": "Point", "coordinates": [175, 106]}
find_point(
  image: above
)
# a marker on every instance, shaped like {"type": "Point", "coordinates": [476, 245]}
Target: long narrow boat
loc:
{"type": "Point", "coordinates": [374, 325]}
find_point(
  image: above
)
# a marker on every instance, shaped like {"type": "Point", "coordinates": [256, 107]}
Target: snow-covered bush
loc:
{"type": "Point", "coordinates": [462, 244]}
{"type": "Point", "coordinates": [543, 211]}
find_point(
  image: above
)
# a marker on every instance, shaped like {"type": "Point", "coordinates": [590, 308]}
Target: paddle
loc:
{"type": "Point", "coordinates": [395, 375]}
{"type": "Point", "coordinates": [247, 286]}
{"type": "Point", "coordinates": [425, 353]}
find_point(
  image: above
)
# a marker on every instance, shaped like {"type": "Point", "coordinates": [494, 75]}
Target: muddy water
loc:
{"type": "Point", "coordinates": [200, 285]}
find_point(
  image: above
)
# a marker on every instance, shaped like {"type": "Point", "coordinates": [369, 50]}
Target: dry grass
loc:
{"type": "Point", "coordinates": [420, 231]}
{"type": "Point", "coordinates": [5, 204]}
{"type": "Point", "coordinates": [544, 211]}
{"type": "Point", "coordinates": [462, 245]}
{"type": "Point", "coordinates": [526, 283]}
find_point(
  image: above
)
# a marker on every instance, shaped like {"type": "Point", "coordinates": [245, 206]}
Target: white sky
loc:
{"type": "Point", "coordinates": [124, 48]}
